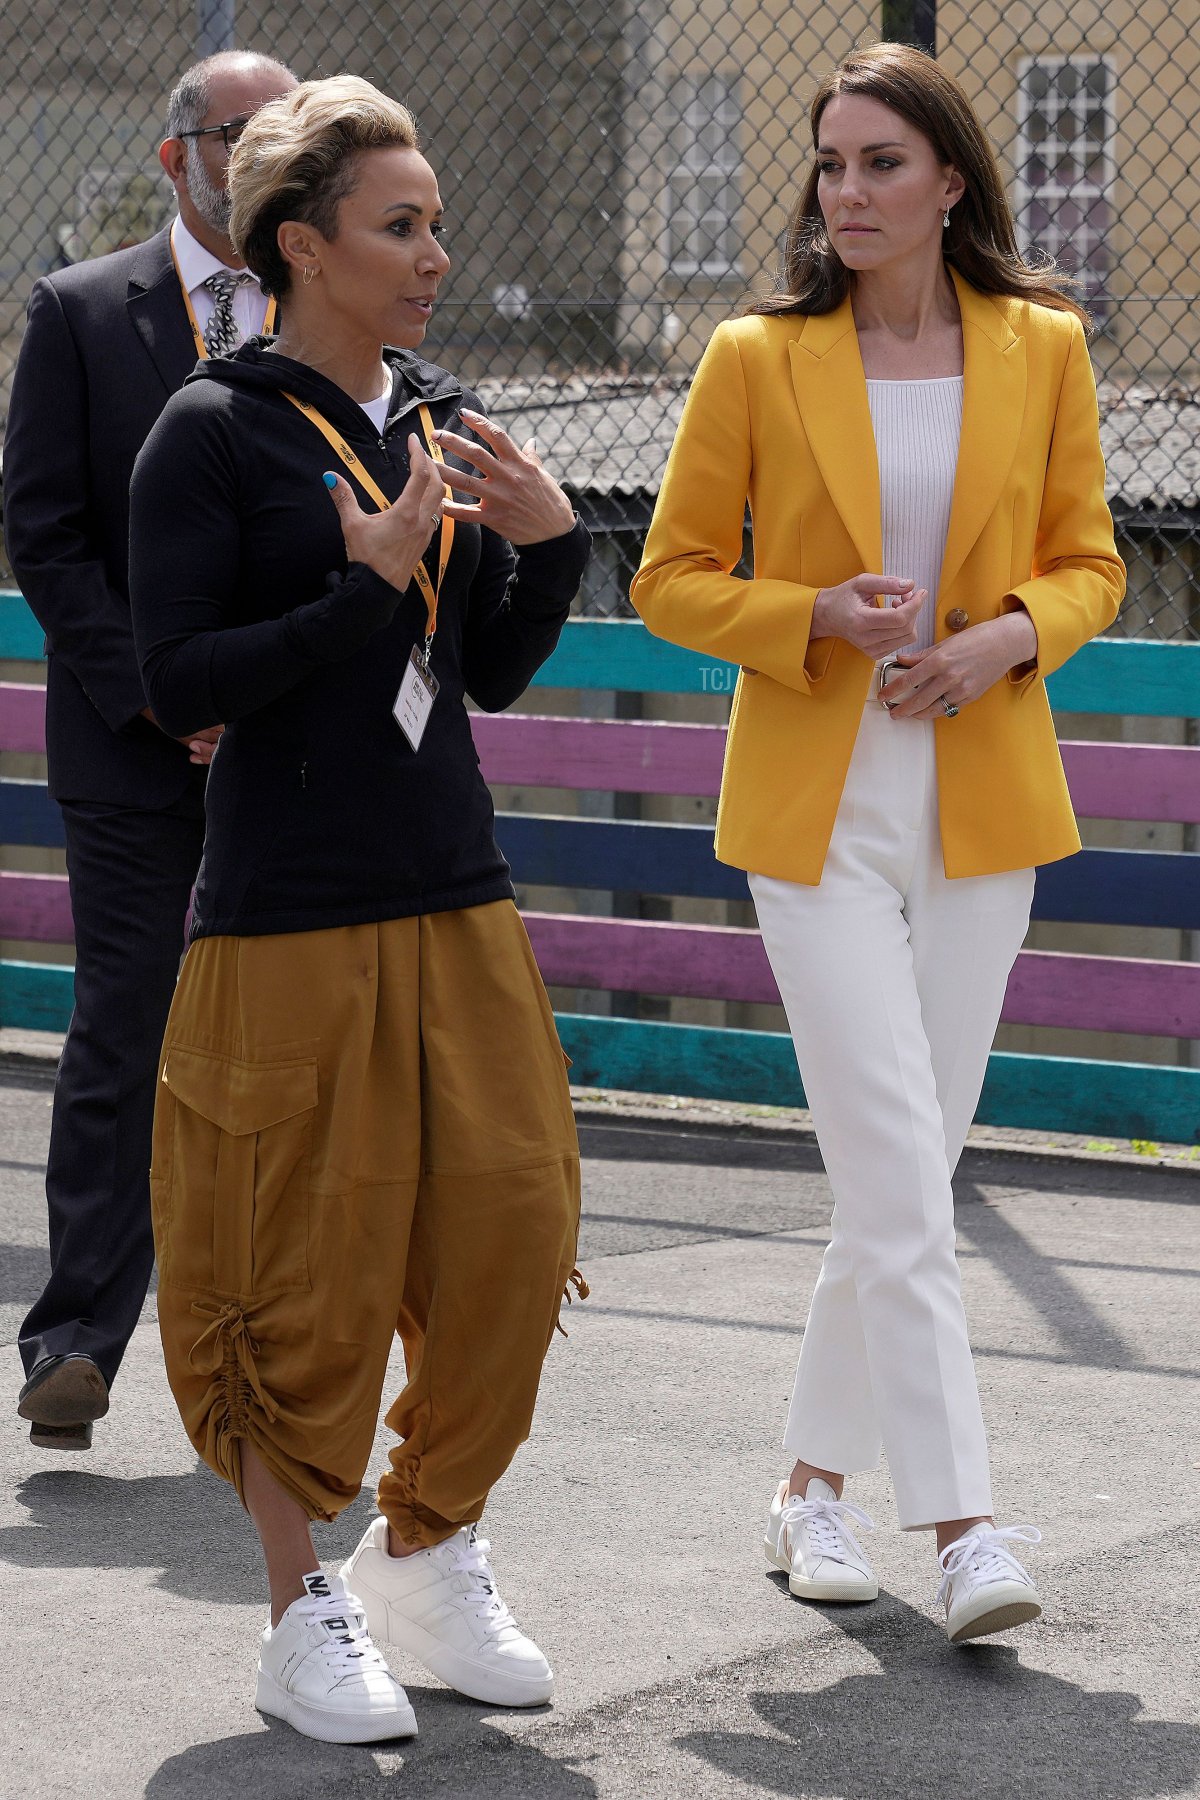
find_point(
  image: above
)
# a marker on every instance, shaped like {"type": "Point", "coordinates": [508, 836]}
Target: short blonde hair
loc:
{"type": "Point", "coordinates": [297, 160]}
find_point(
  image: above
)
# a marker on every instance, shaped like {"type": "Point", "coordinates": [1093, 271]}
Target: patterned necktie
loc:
{"type": "Point", "coordinates": [221, 334]}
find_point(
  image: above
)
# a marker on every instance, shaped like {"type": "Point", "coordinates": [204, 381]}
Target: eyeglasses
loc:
{"type": "Point", "coordinates": [229, 132]}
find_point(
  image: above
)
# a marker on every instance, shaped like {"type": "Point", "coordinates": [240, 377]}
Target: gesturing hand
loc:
{"type": "Point", "coordinates": [393, 542]}
{"type": "Point", "coordinates": [517, 498]}
{"type": "Point", "coordinates": [851, 611]}
{"type": "Point", "coordinates": [962, 667]}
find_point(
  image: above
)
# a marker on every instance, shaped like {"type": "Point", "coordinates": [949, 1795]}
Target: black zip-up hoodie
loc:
{"type": "Point", "coordinates": [246, 614]}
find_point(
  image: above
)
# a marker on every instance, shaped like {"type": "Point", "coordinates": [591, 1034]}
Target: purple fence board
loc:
{"type": "Point", "coordinates": [615, 755]}
{"type": "Point", "coordinates": [22, 716]}
{"type": "Point", "coordinates": [1108, 781]}
{"type": "Point", "coordinates": [1085, 993]}
{"type": "Point", "coordinates": [722, 962]}
{"type": "Point", "coordinates": [1104, 993]}
{"type": "Point", "coordinates": [36, 908]}
{"type": "Point", "coordinates": [704, 962]}
{"type": "Point", "coordinates": [1134, 781]}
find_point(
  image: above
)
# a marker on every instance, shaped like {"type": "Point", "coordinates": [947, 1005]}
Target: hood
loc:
{"type": "Point", "coordinates": [253, 365]}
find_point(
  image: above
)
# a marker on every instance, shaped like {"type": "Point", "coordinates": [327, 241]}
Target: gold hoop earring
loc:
{"type": "Point", "coordinates": [309, 273]}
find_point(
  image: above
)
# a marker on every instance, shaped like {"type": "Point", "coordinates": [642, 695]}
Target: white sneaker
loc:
{"type": "Point", "coordinates": [984, 1588]}
{"type": "Point", "coordinates": [442, 1606]}
{"type": "Point", "coordinates": [319, 1670]}
{"type": "Point", "coordinates": [811, 1539]}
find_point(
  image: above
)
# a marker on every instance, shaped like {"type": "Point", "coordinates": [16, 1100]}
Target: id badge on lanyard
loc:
{"type": "Point", "coordinates": [414, 703]}
{"type": "Point", "coordinates": [418, 691]}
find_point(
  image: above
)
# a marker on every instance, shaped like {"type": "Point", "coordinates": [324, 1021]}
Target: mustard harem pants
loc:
{"type": "Point", "coordinates": [361, 1131]}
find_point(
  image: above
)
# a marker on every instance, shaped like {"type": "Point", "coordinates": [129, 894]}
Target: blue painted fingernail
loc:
{"type": "Point", "coordinates": [329, 480]}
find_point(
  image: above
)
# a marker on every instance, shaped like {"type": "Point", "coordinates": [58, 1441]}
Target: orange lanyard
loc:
{"type": "Point", "coordinates": [429, 592]}
{"type": "Point", "coordinates": [193, 321]}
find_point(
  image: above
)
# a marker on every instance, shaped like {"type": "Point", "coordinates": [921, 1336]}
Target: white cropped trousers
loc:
{"type": "Point", "coordinates": [892, 978]}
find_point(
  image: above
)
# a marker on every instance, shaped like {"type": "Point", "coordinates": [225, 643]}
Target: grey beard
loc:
{"type": "Point", "coordinates": [211, 202]}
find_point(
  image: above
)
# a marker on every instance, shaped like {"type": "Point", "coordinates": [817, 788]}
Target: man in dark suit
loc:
{"type": "Point", "coordinates": [107, 343]}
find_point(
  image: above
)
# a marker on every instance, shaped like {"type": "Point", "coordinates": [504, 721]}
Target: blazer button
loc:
{"type": "Point", "coordinates": [956, 618]}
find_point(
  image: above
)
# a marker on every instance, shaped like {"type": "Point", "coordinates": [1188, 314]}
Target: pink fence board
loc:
{"type": "Point", "coordinates": [22, 716]}
{"type": "Point", "coordinates": [704, 962]}
{"type": "Point", "coordinates": [1108, 781]}
{"type": "Point", "coordinates": [1134, 781]}
{"type": "Point", "coordinates": [1086, 993]}
{"type": "Point", "coordinates": [720, 962]}
{"type": "Point", "coordinates": [1104, 993]}
{"type": "Point", "coordinates": [36, 908]}
{"type": "Point", "coordinates": [614, 755]}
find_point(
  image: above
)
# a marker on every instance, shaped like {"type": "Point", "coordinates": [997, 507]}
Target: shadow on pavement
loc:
{"type": "Point", "coordinates": [23, 1272]}
{"type": "Point", "coordinates": [190, 1528]}
{"type": "Point", "coordinates": [719, 1146]}
{"type": "Point", "coordinates": [1081, 1330]}
{"type": "Point", "coordinates": [458, 1753]}
{"type": "Point", "coordinates": [936, 1722]}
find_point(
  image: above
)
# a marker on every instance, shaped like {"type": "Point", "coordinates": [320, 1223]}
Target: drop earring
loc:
{"type": "Point", "coordinates": [946, 220]}
{"type": "Point", "coordinates": [309, 273]}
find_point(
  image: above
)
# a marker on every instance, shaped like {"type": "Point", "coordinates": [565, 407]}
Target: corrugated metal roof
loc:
{"type": "Point", "coordinates": [1151, 446]}
{"type": "Point", "coordinates": [609, 435]}
{"type": "Point", "coordinates": [598, 435]}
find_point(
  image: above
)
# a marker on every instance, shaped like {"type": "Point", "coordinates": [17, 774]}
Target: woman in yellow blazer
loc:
{"type": "Point", "coordinates": [913, 423]}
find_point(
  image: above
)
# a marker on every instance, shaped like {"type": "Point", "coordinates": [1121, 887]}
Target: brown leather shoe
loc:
{"type": "Point", "coordinates": [61, 1398]}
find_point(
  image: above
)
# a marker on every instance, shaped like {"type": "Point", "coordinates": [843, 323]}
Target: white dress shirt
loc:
{"type": "Point", "coordinates": [196, 264]}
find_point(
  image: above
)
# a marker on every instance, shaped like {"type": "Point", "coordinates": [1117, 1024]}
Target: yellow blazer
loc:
{"type": "Point", "coordinates": [778, 416]}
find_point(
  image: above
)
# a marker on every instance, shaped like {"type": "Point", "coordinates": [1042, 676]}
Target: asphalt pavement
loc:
{"type": "Point", "coordinates": [627, 1536]}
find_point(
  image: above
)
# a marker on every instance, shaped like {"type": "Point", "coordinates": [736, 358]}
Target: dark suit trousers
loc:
{"type": "Point", "coordinates": [131, 873]}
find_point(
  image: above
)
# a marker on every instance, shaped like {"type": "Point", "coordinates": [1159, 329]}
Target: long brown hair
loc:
{"type": "Point", "coordinates": [980, 242]}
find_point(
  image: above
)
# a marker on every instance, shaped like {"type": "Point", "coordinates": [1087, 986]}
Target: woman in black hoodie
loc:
{"type": "Point", "coordinates": [364, 1123]}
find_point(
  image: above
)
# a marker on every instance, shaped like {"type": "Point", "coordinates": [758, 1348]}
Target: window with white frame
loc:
{"type": "Point", "coordinates": [1064, 166]}
{"type": "Point", "coordinates": [703, 203]}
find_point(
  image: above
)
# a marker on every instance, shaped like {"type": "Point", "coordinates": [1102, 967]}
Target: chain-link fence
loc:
{"type": "Point", "coordinates": [618, 174]}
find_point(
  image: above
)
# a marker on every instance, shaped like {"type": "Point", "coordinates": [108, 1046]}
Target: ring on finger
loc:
{"type": "Point", "coordinates": [949, 708]}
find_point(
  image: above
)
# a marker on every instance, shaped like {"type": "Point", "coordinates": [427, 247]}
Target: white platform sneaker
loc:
{"type": "Point", "coordinates": [319, 1671]}
{"type": "Point", "coordinates": [811, 1538]}
{"type": "Point", "coordinates": [443, 1607]}
{"type": "Point", "coordinates": [984, 1588]}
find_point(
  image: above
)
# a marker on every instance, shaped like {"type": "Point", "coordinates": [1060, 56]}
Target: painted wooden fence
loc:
{"type": "Point", "coordinates": [1089, 993]}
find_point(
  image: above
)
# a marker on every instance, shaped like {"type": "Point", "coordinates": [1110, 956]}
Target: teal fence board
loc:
{"type": "Point", "coordinates": [1124, 675]}
{"type": "Point", "coordinates": [1111, 675]}
{"type": "Point", "coordinates": [704, 1061]}
{"type": "Point", "coordinates": [21, 637]}
{"type": "Point", "coordinates": [36, 996]}
{"type": "Point", "coordinates": [1104, 1099]}
{"type": "Point", "coordinates": [620, 653]}
{"type": "Point", "coordinates": [1037, 1093]}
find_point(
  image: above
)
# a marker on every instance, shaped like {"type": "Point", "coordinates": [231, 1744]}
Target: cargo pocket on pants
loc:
{"type": "Point", "coordinates": [233, 1152]}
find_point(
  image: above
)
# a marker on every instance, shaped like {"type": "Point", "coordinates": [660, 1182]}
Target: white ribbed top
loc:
{"type": "Point", "coordinates": [917, 428]}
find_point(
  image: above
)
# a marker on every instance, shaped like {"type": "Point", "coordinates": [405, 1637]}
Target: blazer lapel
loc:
{"type": "Point", "coordinates": [157, 313]}
{"type": "Point", "coordinates": [831, 392]}
{"type": "Point", "coordinates": [993, 409]}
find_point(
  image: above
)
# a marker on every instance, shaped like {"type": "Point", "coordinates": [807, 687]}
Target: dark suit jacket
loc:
{"type": "Point", "coordinates": [106, 345]}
